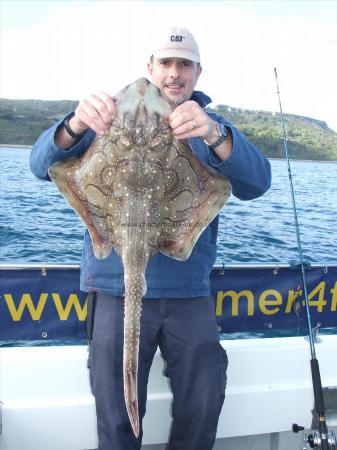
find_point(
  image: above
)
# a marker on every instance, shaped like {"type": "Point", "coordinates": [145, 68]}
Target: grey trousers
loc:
{"type": "Point", "coordinates": [186, 332]}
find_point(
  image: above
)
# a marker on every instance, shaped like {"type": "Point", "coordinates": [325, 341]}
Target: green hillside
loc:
{"type": "Point", "coordinates": [22, 121]}
{"type": "Point", "coordinates": [307, 138]}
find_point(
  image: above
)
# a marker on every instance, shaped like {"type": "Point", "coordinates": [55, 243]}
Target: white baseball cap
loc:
{"type": "Point", "coordinates": [176, 42]}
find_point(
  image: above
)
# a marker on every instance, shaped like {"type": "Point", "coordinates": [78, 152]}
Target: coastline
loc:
{"type": "Point", "coordinates": [19, 146]}
{"type": "Point", "coordinates": [15, 146]}
{"type": "Point", "coordinates": [304, 160]}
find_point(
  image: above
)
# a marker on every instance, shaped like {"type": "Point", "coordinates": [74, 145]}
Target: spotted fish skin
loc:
{"type": "Point", "coordinates": [140, 191]}
{"type": "Point", "coordinates": [135, 257]}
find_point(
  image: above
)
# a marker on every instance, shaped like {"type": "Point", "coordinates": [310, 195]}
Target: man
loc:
{"type": "Point", "coordinates": [178, 312]}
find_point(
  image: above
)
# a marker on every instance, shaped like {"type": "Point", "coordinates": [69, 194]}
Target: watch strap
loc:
{"type": "Point", "coordinates": [223, 134]}
{"type": "Point", "coordinates": [69, 130]}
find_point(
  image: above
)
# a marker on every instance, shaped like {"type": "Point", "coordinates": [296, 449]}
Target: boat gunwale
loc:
{"type": "Point", "coordinates": [73, 266]}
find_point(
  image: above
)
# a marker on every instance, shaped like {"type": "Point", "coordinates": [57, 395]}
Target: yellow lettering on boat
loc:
{"type": "Point", "coordinates": [319, 290]}
{"type": "Point", "coordinates": [334, 297]}
{"type": "Point", "coordinates": [292, 296]}
{"type": "Point", "coordinates": [72, 301]}
{"type": "Point", "coordinates": [235, 296]}
{"type": "Point", "coordinates": [270, 297]}
{"type": "Point", "coordinates": [26, 302]}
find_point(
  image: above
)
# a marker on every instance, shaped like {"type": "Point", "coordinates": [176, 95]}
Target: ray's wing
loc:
{"type": "Point", "coordinates": [87, 185]}
{"type": "Point", "coordinates": [194, 195]}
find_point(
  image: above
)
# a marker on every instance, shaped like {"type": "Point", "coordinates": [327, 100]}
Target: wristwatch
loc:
{"type": "Point", "coordinates": [223, 134]}
{"type": "Point", "coordinates": [69, 130]}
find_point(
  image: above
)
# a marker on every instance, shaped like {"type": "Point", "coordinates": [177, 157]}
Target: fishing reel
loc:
{"type": "Point", "coordinates": [314, 440]}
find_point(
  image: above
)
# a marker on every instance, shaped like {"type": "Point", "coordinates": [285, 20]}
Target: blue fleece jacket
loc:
{"type": "Point", "coordinates": [249, 173]}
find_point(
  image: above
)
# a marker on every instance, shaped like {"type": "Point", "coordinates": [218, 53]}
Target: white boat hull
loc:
{"type": "Point", "coordinates": [47, 403]}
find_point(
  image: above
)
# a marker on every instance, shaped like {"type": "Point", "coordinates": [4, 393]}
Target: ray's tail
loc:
{"type": "Point", "coordinates": [134, 288]}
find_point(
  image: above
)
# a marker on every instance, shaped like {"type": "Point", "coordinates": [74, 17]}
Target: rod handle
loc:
{"type": "Point", "coordinates": [317, 385]}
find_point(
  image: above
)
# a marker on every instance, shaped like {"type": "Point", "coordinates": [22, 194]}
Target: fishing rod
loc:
{"type": "Point", "coordinates": [323, 439]}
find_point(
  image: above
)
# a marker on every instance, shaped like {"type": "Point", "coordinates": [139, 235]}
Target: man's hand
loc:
{"type": "Point", "coordinates": [189, 120]}
{"type": "Point", "coordinates": [95, 112]}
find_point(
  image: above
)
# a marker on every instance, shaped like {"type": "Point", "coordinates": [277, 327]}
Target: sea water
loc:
{"type": "Point", "coordinates": [37, 225]}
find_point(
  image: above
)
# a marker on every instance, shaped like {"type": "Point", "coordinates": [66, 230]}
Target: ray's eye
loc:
{"type": "Point", "coordinates": [125, 141]}
{"type": "Point", "coordinates": [156, 140]}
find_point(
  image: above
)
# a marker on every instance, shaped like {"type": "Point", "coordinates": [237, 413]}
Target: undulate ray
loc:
{"type": "Point", "coordinates": [140, 191]}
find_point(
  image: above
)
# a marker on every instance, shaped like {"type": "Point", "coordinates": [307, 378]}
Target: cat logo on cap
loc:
{"type": "Point", "coordinates": [174, 38]}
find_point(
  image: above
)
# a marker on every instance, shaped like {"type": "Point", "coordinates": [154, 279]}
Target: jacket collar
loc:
{"type": "Point", "coordinates": [201, 98]}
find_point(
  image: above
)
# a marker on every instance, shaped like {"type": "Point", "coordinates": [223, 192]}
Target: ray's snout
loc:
{"type": "Point", "coordinates": [142, 110]}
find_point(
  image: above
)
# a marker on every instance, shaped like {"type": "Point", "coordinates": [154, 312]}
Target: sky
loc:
{"type": "Point", "coordinates": [53, 49]}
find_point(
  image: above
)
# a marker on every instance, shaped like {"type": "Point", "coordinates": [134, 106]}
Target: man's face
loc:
{"type": "Point", "coordinates": [176, 77]}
